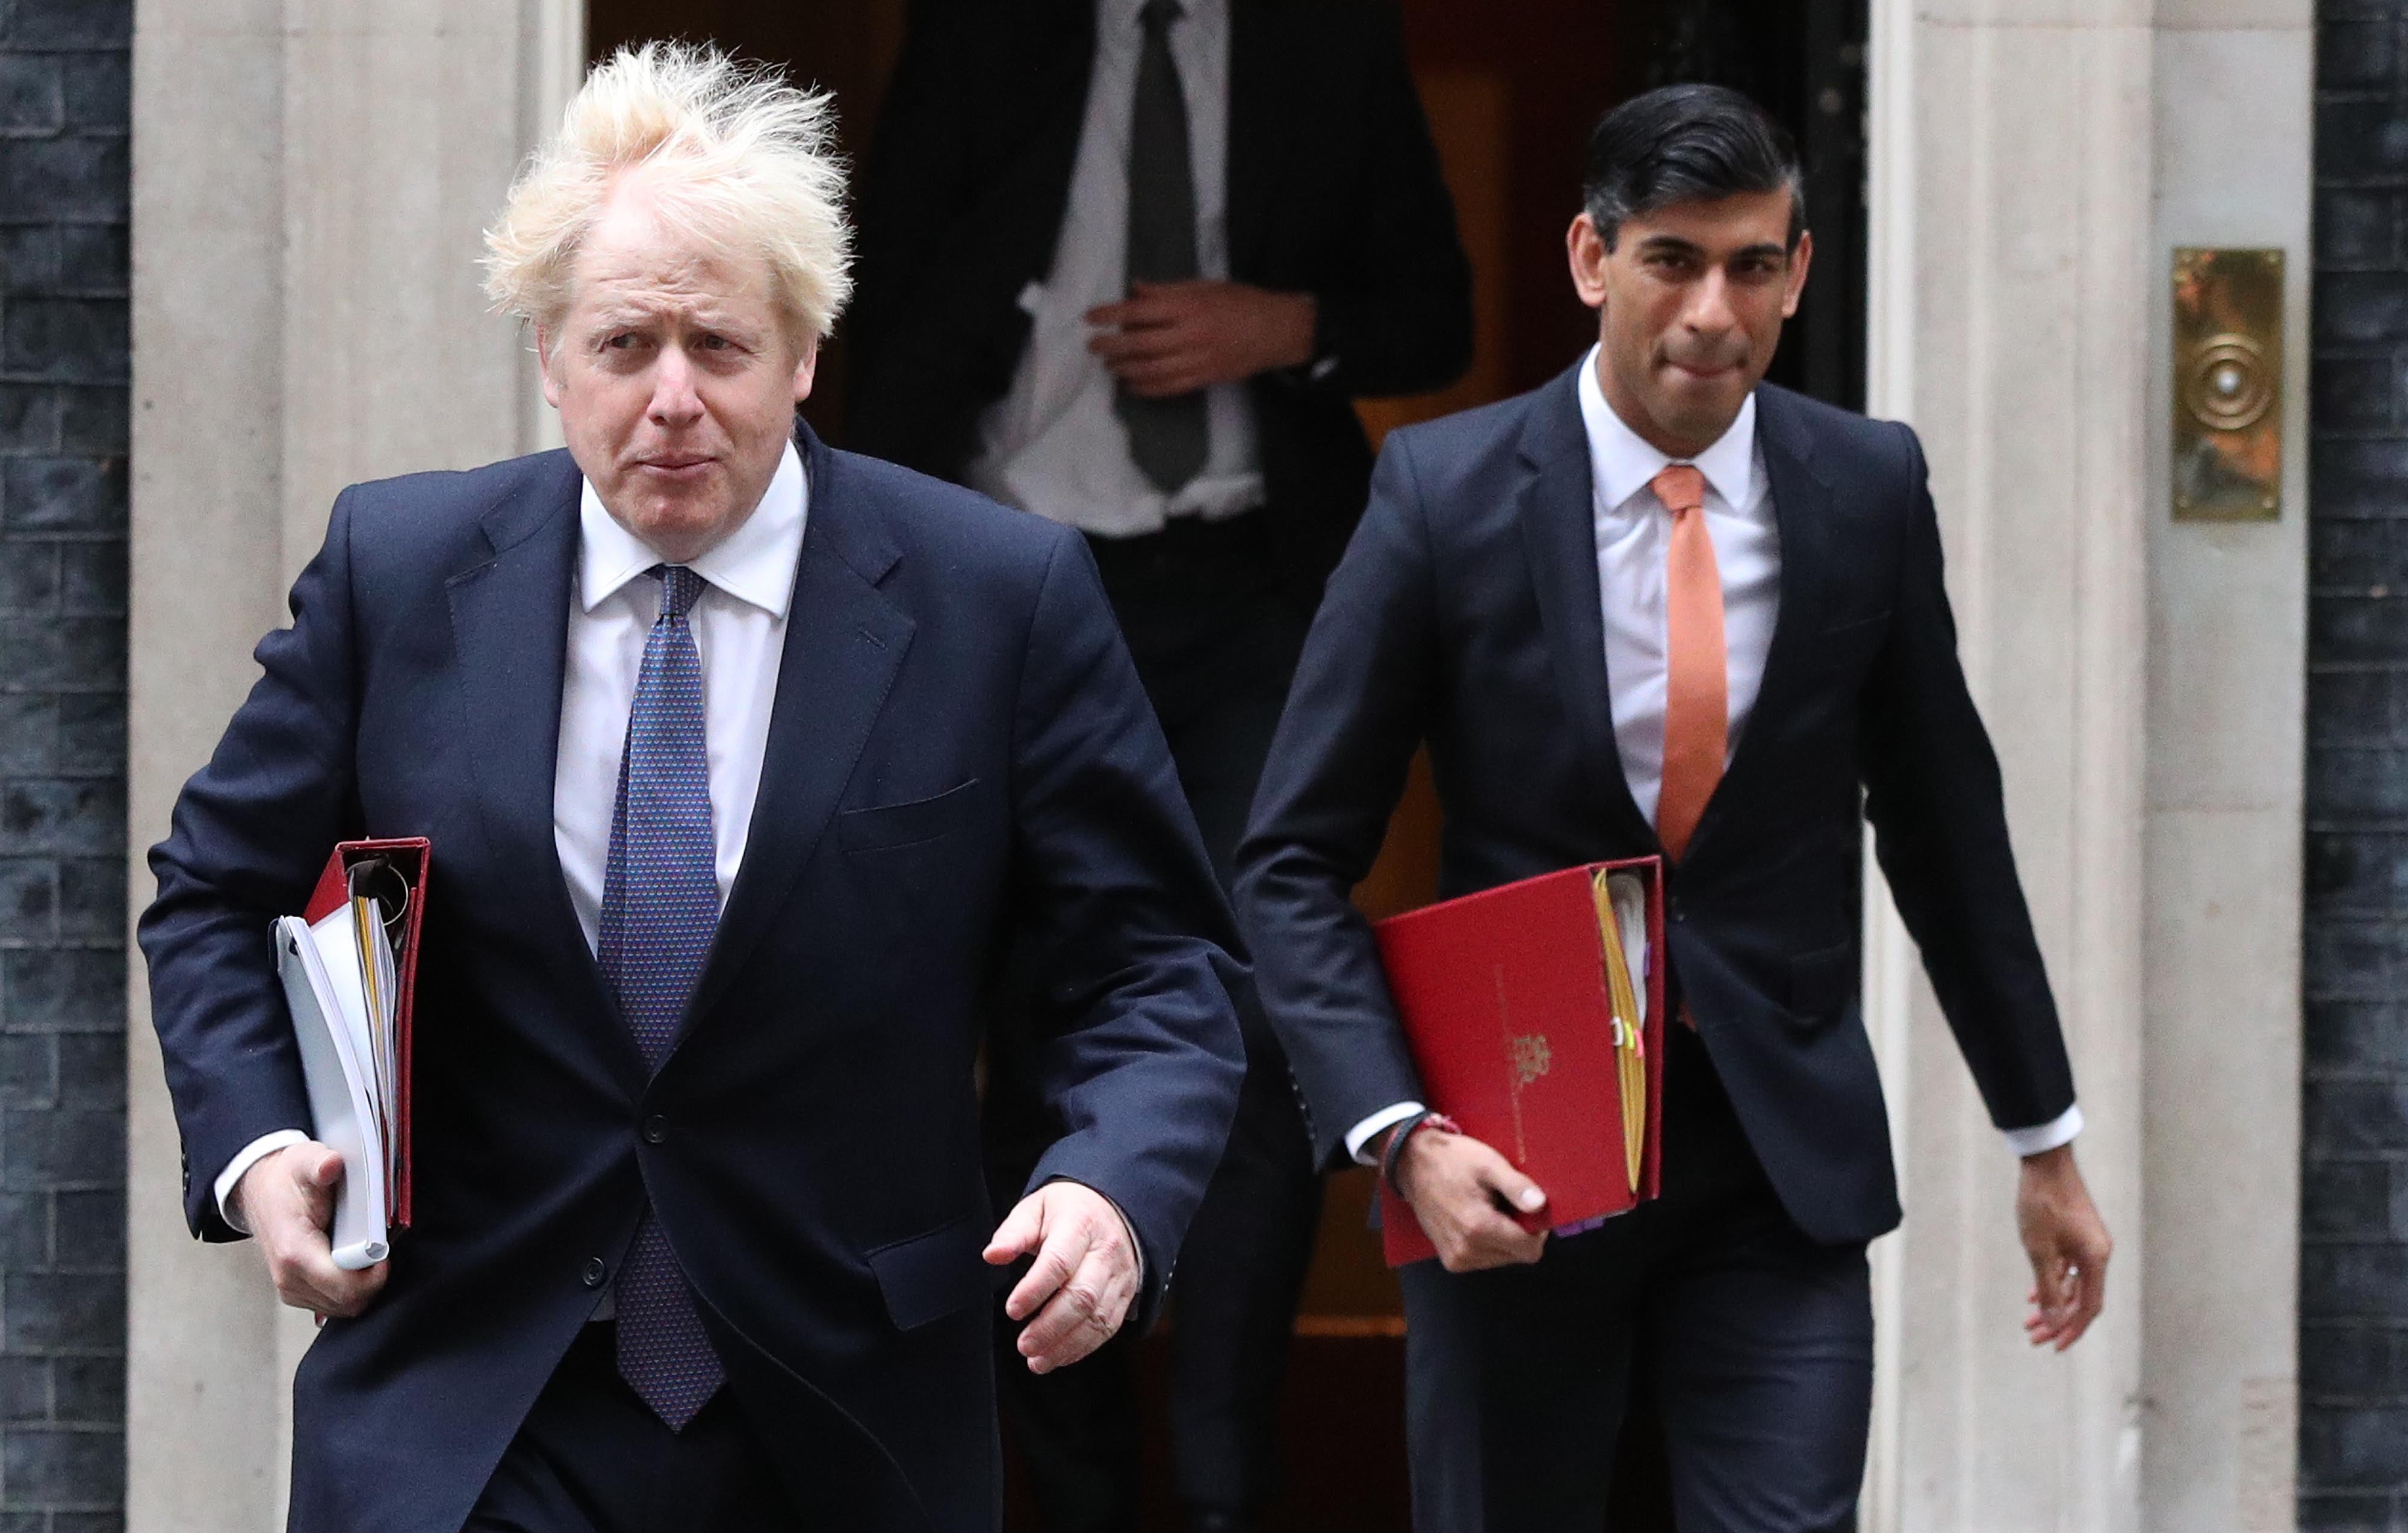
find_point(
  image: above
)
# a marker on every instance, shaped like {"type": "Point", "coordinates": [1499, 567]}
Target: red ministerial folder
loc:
{"type": "Point", "coordinates": [409, 858]}
{"type": "Point", "coordinates": [1508, 1000]}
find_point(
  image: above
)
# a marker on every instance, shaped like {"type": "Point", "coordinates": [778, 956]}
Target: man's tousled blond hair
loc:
{"type": "Point", "coordinates": [725, 150]}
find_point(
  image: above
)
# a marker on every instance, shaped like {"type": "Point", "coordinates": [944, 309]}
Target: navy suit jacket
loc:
{"type": "Point", "coordinates": [959, 757]}
{"type": "Point", "coordinates": [1467, 615]}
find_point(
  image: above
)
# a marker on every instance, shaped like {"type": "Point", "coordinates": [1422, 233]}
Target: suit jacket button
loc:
{"type": "Point", "coordinates": [656, 1129]}
{"type": "Point", "coordinates": [595, 1269]}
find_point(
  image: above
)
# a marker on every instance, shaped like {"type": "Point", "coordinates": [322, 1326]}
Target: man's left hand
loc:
{"type": "Point", "coordinates": [1085, 1276]}
{"type": "Point", "coordinates": [1170, 339]}
{"type": "Point", "coordinates": [2068, 1247]}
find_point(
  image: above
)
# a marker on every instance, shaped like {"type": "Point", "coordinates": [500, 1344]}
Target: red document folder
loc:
{"type": "Point", "coordinates": [409, 858]}
{"type": "Point", "coordinates": [1508, 1007]}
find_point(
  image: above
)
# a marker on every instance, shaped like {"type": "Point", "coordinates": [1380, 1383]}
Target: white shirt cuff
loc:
{"type": "Point", "coordinates": [1136, 1247]}
{"type": "Point", "coordinates": [1359, 1137]}
{"type": "Point", "coordinates": [2048, 1136]}
{"type": "Point", "coordinates": [250, 1154]}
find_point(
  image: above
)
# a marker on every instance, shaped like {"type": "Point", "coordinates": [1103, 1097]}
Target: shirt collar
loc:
{"type": "Point", "coordinates": [754, 564]}
{"type": "Point", "coordinates": [1127, 13]}
{"type": "Point", "coordinates": [1622, 461]}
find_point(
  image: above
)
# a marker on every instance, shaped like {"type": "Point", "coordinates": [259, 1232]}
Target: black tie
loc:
{"type": "Point", "coordinates": [1168, 437]}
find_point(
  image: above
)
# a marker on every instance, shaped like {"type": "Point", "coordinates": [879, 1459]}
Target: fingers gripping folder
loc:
{"type": "Point", "coordinates": [1535, 1015]}
{"type": "Point", "coordinates": [350, 967]}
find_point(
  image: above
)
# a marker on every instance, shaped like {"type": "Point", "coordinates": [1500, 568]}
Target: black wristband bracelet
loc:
{"type": "Point", "coordinates": [1397, 1138]}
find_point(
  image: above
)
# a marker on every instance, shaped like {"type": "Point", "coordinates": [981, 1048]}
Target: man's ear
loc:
{"type": "Point", "coordinates": [806, 370]}
{"type": "Point", "coordinates": [543, 345]}
{"type": "Point", "coordinates": [1800, 259]}
{"type": "Point", "coordinates": [1584, 249]}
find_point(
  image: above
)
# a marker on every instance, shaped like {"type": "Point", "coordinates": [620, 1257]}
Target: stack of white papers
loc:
{"type": "Point", "coordinates": [339, 979]}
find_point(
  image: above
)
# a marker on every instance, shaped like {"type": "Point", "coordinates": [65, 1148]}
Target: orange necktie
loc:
{"type": "Point", "coordinates": [1697, 690]}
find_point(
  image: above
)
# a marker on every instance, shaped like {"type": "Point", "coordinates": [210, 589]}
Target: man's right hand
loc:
{"type": "Point", "coordinates": [288, 1199]}
{"type": "Point", "coordinates": [1454, 1182]}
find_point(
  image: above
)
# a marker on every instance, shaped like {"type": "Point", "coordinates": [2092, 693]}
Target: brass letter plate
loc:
{"type": "Point", "coordinates": [2228, 461]}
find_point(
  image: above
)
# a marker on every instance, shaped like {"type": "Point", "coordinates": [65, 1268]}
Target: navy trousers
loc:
{"type": "Point", "coordinates": [1755, 1343]}
{"type": "Point", "coordinates": [591, 1457]}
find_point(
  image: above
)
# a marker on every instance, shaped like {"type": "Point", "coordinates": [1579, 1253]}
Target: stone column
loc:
{"type": "Point", "coordinates": [2035, 161]}
{"type": "Point", "coordinates": [2231, 98]}
{"type": "Point", "coordinates": [309, 180]}
{"type": "Point", "coordinates": [2011, 222]}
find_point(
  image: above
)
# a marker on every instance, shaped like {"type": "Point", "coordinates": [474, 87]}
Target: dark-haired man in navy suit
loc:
{"type": "Point", "coordinates": [1655, 607]}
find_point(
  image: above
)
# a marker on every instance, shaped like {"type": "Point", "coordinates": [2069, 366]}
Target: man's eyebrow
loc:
{"type": "Point", "coordinates": [705, 316]}
{"type": "Point", "coordinates": [616, 315]}
{"type": "Point", "coordinates": [1675, 245]}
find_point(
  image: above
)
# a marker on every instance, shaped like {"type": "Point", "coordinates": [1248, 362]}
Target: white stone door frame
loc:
{"type": "Point", "coordinates": [2034, 163]}
{"type": "Point", "coordinates": [309, 180]}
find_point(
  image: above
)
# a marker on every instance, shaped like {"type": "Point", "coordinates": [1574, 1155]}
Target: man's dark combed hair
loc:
{"type": "Point", "coordinates": [1687, 143]}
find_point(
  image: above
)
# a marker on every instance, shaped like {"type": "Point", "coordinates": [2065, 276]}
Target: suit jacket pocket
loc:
{"type": "Point", "coordinates": [1846, 645]}
{"type": "Point", "coordinates": [1822, 982]}
{"type": "Point", "coordinates": [930, 1276]}
{"type": "Point", "coordinates": [1864, 624]}
{"type": "Point", "coordinates": [886, 825]}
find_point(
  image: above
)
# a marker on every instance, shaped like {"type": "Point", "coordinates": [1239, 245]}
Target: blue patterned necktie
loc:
{"type": "Point", "coordinates": [660, 907]}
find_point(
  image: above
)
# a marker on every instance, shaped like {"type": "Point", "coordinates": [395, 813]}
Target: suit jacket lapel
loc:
{"type": "Point", "coordinates": [1027, 202]}
{"type": "Point", "coordinates": [845, 641]}
{"type": "Point", "coordinates": [1801, 500]}
{"type": "Point", "coordinates": [1559, 536]}
{"type": "Point", "coordinates": [1263, 57]}
{"type": "Point", "coordinates": [510, 629]}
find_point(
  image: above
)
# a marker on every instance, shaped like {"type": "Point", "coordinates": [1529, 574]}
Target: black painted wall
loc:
{"type": "Point", "coordinates": [63, 120]}
{"type": "Point", "coordinates": [2354, 1260]}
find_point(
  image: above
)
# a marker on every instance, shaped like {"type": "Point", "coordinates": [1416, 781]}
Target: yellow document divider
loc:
{"type": "Point", "coordinates": [1629, 1034]}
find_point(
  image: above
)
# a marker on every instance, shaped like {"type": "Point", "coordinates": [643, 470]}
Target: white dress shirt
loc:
{"type": "Point", "coordinates": [740, 628]}
{"type": "Point", "coordinates": [1634, 536]}
{"type": "Point", "coordinates": [1051, 444]}
{"type": "Point", "coordinates": [1633, 532]}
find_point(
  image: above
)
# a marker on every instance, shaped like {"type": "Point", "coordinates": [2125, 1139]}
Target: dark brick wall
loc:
{"type": "Point", "coordinates": [2354, 1256]}
{"type": "Point", "coordinates": [63, 118]}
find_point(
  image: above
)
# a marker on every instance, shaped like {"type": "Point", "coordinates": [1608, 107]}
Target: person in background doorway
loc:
{"type": "Point", "coordinates": [1127, 265]}
{"type": "Point", "coordinates": [1657, 606]}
